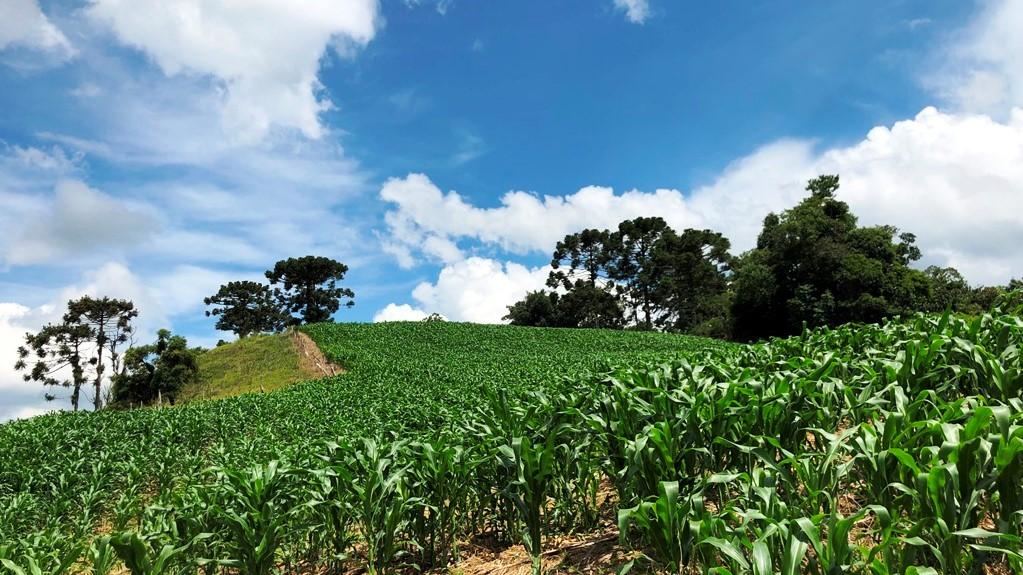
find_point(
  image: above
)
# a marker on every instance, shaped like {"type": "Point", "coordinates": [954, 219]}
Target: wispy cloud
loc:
{"type": "Point", "coordinates": [470, 147]}
{"type": "Point", "coordinates": [637, 11]}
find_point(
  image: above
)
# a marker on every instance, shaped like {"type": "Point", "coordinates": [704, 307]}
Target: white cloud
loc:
{"type": "Point", "coordinates": [917, 23]}
{"type": "Point", "coordinates": [18, 398]}
{"type": "Point", "coordinates": [266, 54]}
{"type": "Point", "coordinates": [772, 178]}
{"type": "Point", "coordinates": [442, 6]}
{"type": "Point", "coordinates": [425, 217]}
{"type": "Point", "coordinates": [470, 147]}
{"type": "Point", "coordinates": [79, 220]}
{"type": "Point", "coordinates": [399, 312]}
{"type": "Point", "coordinates": [12, 335]}
{"type": "Point", "coordinates": [23, 23]}
{"type": "Point", "coordinates": [21, 399]}
{"type": "Point", "coordinates": [983, 70]}
{"type": "Point", "coordinates": [955, 180]}
{"type": "Point", "coordinates": [637, 11]}
{"type": "Point", "coordinates": [56, 159]}
{"type": "Point", "coordinates": [478, 289]}
{"type": "Point", "coordinates": [86, 90]}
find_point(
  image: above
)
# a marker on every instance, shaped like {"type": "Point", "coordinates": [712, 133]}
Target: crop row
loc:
{"type": "Point", "coordinates": [872, 449]}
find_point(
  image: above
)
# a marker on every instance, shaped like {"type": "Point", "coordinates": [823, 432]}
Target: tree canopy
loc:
{"type": "Point", "coordinates": [644, 275]}
{"type": "Point", "coordinates": [88, 339]}
{"type": "Point", "coordinates": [245, 308]}
{"type": "Point", "coordinates": [57, 355]}
{"type": "Point", "coordinates": [813, 265]}
{"type": "Point", "coordinates": [308, 286]}
{"type": "Point", "coordinates": [157, 370]}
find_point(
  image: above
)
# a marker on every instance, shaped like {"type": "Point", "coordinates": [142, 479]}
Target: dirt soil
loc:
{"type": "Point", "coordinates": [311, 359]}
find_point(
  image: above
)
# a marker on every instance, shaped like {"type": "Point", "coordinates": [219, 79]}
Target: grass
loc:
{"type": "Point", "coordinates": [256, 363]}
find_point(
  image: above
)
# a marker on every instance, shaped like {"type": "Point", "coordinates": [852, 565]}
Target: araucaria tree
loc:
{"type": "Point", "coordinates": [55, 351]}
{"type": "Point", "coordinates": [689, 282]}
{"type": "Point", "coordinates": [630, 254]}
{"type": "Point", "coordinates": [88, 339]}
{"type": "Point", "coordinates": [246, 307]}
{"type": "Point", "coordinates": [308, 286]}
{"type": "Point", "coordinates": [644, 274]}
{"type": "Point", "coordinates": [109, 322]}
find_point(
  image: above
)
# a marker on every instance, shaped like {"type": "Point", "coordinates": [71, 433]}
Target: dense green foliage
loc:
{"type": "Point", "coordinates": [301, 290]}
{"type": "Point", "coordinates": [156, 372]}
{"type": "Point", "coordinates": [864, 449]}
{"type": "Point", "coordinates": [308, 286]}
{"type": "Point", "coordinates": [813, 265]}
{"type": "Point", "coordinates": [246, 307]}
{"type": "Point", "coordinates": [644, 274]}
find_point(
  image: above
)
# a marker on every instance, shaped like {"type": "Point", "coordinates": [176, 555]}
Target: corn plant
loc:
{"type": "Point", "coordinates": [332, 495]}
{"type": "Point", "coordinates": [102, 556]}
{"type": "Point", "coordinates": [381, 501]}
{"type": "Point", "coordinates": [439, 478]}
{"type": "Point", "coordinates": [255, 504]}
{"type": "Point", "coordinates": [147, 555]}
{"type": "Point", "coordinates": [533, 470]}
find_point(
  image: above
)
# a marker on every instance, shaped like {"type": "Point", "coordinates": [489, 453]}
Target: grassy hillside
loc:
{"type": "Point", "coordinates": [257, 363]}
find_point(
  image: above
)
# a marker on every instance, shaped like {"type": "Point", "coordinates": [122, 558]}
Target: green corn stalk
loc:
{"type": "Point", "coordinates": [102, 556]}
{"type": "Point", "coordinates": [533, 469]}
{"type": "Point", "coordinates": [381, 501]}
{"type": "Point", "coordinates": [440, 478]}
{"type": "Point", "coordinates": [145, 555]}
{"type": "Point", "coordinates": [663, 524]}
{"type": "Point", "coordinates": [332, 501]}
{"type": "Point", "coordinates": [255, 506]}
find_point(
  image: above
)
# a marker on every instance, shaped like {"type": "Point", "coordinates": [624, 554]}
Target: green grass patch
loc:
{"type": "Point", "coordinates": [256, 363]}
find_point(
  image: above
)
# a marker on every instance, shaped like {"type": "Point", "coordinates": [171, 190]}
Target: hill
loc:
{"type": "Point", "coordinates": [414, 377]}
{"type": "Point", "coordinates": [891, 448]}
{"type": "Point", "coordinates": [257, 363]}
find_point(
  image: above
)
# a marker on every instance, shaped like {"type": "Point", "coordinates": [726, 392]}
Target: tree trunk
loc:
{"type": "Point", "coordinates": [646, 308]}
{"type": "Point", "coordinates": [74, 396]}
{"type": "Point", "coordinates": [98, 401]}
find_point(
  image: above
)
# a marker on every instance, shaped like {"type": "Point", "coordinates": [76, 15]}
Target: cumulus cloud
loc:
{"type": "Point", "coordinates": [952, 179]}
{"type": "Point", "coordinates": [22, 23]}
{"type": "Point", "coordinates": [266, 55]}
{"type": "Point", "coordinates": [399, 312]}
{"type": "Point", "coordinates": [955, 180]}
{"type": "Point", "coordinates": [427, 219]}
{"type": "Point", "coordinates": [18, 398]}
{"type": "Point", "coordinates": [983, 72]}
{"type": "Point", "coordinates": [478, 289]}
{"type": "Point", "coordinates": [637, 11]}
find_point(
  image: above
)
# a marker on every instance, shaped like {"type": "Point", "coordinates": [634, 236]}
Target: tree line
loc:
{"type": "Point", "coordinates": [813, 265]}
{"type": "Point", "coordinates": [93, 342]}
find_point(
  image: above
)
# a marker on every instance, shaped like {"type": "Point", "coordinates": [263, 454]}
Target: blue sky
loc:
{"type": "Point", "coordinates": [154, 150]}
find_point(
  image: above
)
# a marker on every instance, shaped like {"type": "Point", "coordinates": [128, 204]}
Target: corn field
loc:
{"type": "Point", "coordinates": [865, 449]}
